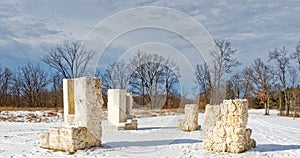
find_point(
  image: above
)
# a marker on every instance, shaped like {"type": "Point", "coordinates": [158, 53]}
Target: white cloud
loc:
{"type": "Point", "coordinates": [29, 27]}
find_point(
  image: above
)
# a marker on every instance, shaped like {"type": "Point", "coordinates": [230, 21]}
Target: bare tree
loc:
{"type": "Point", "coordinates": [148, 69]}
{"type": "Point", "coordinates": [296, 55]}
{"type": "Point", "coordinates": [234, 86]}
{"type": "Point", "coordinates": [120, 75]}
{"type": "Point", "coordinates": [170, 75]}
{"type": "Point", "coordinates": [222, 62]}
{"type": "Point", "coordinates": [278, 89]}
{"type": "Point", "coordinates": [246, 85]}
{"type": "Point", "coordinates": [293, 83]}
{"type": "Point", "coordinates": [57, 89]}
{"type": "Point", "coordinates": [16, 91]}
{"type": "Point", "coordinates": [153, 77]}
{"type": "Point", "coordinates": [32, 81]}
{"type": "Point", "coordinates": [262, 78]}
{"type": "Point", "coordinates": [203, 81]}
{"type": "Point", "coordinates": [5, 85]}
{"type": "Point", "coordinates": [69, 59]}
{"type": "Point", "coordinates": [282, 60]}
{"type": "Point", "coordinates": [116, 76]}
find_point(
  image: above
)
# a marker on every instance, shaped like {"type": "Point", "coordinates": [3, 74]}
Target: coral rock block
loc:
{"type": "Point", "coordinates": [190, 123]}
{"type": "Point", "coordinates": [225, 127]}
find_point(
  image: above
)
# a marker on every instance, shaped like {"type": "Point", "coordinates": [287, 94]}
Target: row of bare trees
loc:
{"type": "Point", "coordinates": [264, 83]}
{"type": "Point", "coordinates": [29, 86]}
{"type": "Point", "coordinates": [33, 86]}
{"type": "Point", "coordinates": [152, 78]}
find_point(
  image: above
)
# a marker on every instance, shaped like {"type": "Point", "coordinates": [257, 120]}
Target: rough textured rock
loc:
{"type": "Point", "coordinates": [225, 127]}
{"type": "Point", "coordinates": [119, 108]}
{"type": "Point", "coordinates": [82, 105]}
{"type": "Point", "coordinates": [190, 123]}
{"type": "Point", "coordinates": [68, 139]}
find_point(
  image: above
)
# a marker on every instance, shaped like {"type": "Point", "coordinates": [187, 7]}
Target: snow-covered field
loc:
{"type": "Point", "coordinates": [157, 137]}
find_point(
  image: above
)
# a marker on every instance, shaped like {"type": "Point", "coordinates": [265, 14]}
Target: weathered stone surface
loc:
{"type": "Point", "coordinates": [190, 123]}
{"type": "Point", "coordinates": [82, 105]}
{"type": "Point", "coordinates": [119, 108]}
{"type": "Point", "coordinates": [88, 103]}
{"type": "Point", "coordinates": [68, 139]}
{"type": "Point", "coordinates": [70, 121]}
{"type": "Point", "coordinates": [44, 139]}
{"type": "Point", "coordinates": [225, 127]}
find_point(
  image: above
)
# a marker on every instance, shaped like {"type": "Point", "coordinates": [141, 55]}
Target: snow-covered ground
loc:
{"type": "Point", "coordinates": [158, 137]}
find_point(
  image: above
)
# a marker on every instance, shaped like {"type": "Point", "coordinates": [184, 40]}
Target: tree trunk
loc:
{"type": "Point", "coordinates": [268, 106]}
{"type": "Point", "coordinates": [280, 107]}
{"type": "Point", "coordinates": [266, 111]}
{"type": "Point", "coordinates": [287, 106]}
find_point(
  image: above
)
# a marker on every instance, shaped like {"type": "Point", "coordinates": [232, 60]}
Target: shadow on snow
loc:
{"type": "Point", "coordinates": [274, 147]}
{"type": "Point", "coordinates": [150, 143]}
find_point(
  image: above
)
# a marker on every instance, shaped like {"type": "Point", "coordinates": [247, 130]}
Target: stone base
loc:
{"type": "Point", "coordinates": [68, 139]}
{"type": "Point", "coordinates": [130, 124]}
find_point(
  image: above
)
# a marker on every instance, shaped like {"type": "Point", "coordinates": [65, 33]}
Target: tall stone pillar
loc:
{"type": "Point", "coordinates": [119, 108]}
{"type": "Point", "coordinates": [116, 106]}
{"type": "Point", "coordinates": [88, 101]}
{"type": "Point", "coordinates": [129, 102]}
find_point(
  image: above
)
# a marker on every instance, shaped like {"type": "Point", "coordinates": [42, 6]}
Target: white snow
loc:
{"type": "Point", "coordinates": [31, 116]}
{"type": "Point", "coordinates": [158, 137]}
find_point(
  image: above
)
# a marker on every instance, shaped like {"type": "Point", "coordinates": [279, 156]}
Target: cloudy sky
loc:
{"type": "Point", "coordinates": [28, 29]}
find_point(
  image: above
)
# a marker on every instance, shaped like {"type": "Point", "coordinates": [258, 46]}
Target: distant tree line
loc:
{"type": "Point", "coordinates": [32, 86]}
{"type": "Point", "coordinates": [29, 86]}
{"type": "Point", "coordinates": [273, 83]}
{"type": "Point", "coordinates": [154, 79]}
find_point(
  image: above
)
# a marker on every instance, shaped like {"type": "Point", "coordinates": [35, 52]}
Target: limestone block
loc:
{"type": "Point", "coordinates": [116, 106]}
{"type": "Point", "coordinates": [180, 123]}
{"type": "Point", "coordinates": [211, 114]}
{"type": "Point", "coordinates": [113, 128]}
{"type": "Point", "coordinates": [119, 107]}
{"type": "Point", "coordinates": [82, 116]}
{"type": "Point", "coordinates": [129, 102]}
{"type": "Point", "coordinates": [69, 139]}
{"type": "Point", "coordinates": [68, 97]}
{"type": "Point", "coordinates": [190, 123]}
{"type": "Point", "coordinates": [225, 127]}
{"type": "Point", "coordinates": [44, 139]}
{"type": "Point", "coordinates": [70, 121]}
{"type": "Point", "coordinates": [130, 124]}
{"type": "Point", "coordinates": [88, 100]}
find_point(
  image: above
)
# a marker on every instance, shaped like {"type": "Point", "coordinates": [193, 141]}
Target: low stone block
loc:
{"type": "Point", "coordinates": [68, 139]}
{"type": "Point", "coordinates": [190, 123]}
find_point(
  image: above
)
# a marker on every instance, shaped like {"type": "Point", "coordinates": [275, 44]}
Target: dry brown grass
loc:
{"type": "Point", "coordinates": [13, 108]}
